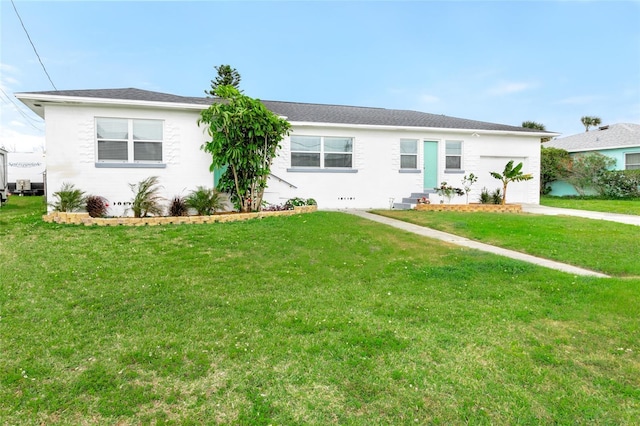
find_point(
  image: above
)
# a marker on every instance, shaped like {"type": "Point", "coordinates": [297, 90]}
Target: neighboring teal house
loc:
{"type": "Point", "coordinates": [618, 141]}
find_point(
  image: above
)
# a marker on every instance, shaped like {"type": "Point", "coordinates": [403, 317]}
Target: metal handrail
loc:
{"type": "Point", "coordinates": [283, 181]}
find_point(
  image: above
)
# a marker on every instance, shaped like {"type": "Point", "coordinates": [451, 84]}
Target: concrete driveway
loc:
{"type": "Point", "coordinates": [555, 211]}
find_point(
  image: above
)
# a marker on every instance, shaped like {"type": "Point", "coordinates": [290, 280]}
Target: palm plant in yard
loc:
{"type": "Point", "coordinates": [205, 200]}
{"type": "Point", "coordinates": [147, 199]}
{"type": "Point", "coordinates": [510, 174]}
{"type": "Point", "coordinates": [68, 199]}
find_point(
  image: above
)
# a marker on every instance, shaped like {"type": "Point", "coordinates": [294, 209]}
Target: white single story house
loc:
{"type": "Point", "coordinates": [619, 141]}
{"type": "Point", "coordinates": [342, 156]}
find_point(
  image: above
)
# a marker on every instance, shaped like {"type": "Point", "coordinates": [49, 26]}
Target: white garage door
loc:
{"type": "Point", "coordinates": [516, 191]}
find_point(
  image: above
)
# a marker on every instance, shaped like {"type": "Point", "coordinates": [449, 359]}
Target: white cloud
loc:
{"type": "Point", "coordinates": [20, 141]}
{"type": "Point", "coordinates": [8, 68]}
{"type": "Point", "coordinates": [14, 114]}
{"type": "Point", "coordinates": [579, 100]}
{"type": "Point", "coordinates": [6, 78]}
{"type": "Point", "coordinates": [631, 116]}
{"type": "Point", "coordinates": [429, 99]}
{"type": "Point", "coordinates": [396, 91]}
{"type": "Point", "coordinates": [508, 88]}
{"type": "Point", "coordinates": [6, 81]}
{"type": "Point", "coordinates": [410, 95]}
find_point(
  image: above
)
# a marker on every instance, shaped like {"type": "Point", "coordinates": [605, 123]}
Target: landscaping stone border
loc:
{"type": "Point", "coordinates": [496, 208]}
{"type": "Point", "coordinates": [85, 219]}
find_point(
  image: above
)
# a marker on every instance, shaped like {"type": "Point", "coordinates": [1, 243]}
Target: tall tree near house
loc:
{"type": "Point", "coordinates": [589, 121]}
{"type": "Point", "coordinates": [586, 169]}
{"type": "Point", "coordinates": [555, 164]}
{"type": "Point", "coordinates": [536, 126]}
{"type": "Point", "coordinates": [227, 76]}
{"type": "Point", "coordinates": [508, 175]}
{"type": "Point", "coordinates": [244, 137]}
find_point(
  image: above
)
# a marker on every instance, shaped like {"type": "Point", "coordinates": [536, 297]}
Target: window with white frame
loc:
{"type": "Point", "coordinates": [321, 152]}
{"type": "Point", "coordinates": [632, 161]}
{"type": "Point", "coordinates": [123, 140]}
{"type": "Point", "coordinates": [453, 155]}
{"type": "Point", "coordinates": [408, 153]}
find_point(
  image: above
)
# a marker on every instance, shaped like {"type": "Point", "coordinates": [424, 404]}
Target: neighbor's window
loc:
{"type": "Point", "coordinates": [123, 140]}
{"type": "Point", "coordinates": [453, 155]}
{"type": "Point", "coordinates": [408, 153]}
{"type": "Point", "coordinates": [632, 161]}
{"type": "Point", "coordinates": [321, 152]}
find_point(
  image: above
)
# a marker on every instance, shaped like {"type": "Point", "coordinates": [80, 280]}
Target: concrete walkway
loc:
{"type": "Point", "coordinates": [555, 211]}
{"type": "Point", "coordinates": [465, 242]}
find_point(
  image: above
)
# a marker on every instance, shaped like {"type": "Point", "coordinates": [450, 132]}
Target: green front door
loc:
{"type": "Point", "coordinates": [430, 170]}
{"type": "Point", "coordinates": [217, 174]}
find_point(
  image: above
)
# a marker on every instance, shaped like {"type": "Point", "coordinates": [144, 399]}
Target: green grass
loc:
{"type": "Point", "coordinates": [322, 318]}
{"type": "Point", "coordinates": [608, 247]}
{"type": "Point", "coordinates": [625, 206]}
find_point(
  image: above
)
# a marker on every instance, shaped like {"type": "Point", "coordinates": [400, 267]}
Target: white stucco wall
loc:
{"type": "Point", "coordinates": [71, 157]}
{"type": "Point", "coordinates": [377, 161]}
{"type": "Point", "coordinates": [376, 158]}
{"type": "Point", "coordinates": [493, 153]}
{"type": "Point", "coordinates": [71, 154]}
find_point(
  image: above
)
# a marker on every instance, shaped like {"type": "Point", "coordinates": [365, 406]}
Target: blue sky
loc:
{"type": "Point", "coordinates": [499, 61]}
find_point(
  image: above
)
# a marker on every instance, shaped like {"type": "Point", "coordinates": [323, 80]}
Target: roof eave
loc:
{"type": "Point", "coordinates": [471, 131]}
{"type": "Point", "coordinates": [35, 102]}
{"type": "Point", "coordinates": [601, 148]}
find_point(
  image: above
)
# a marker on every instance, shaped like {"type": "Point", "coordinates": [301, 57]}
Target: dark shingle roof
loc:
{"type": "Point", "coordinates": [613, 136]}
{"type": "Point", "coordinates": [305, 112]}
{"type": "Point", "coordinates": [130, 94]}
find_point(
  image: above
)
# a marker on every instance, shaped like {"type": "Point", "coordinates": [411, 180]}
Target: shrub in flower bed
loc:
{"type": "Point", "coordinates": [276, 208]}
{"type": "Point", "coordinates": [298, 202]}
{"type": "Point", "coordinates": [178, 207]}
{"type": "Point", "coordinates": [96, 206]}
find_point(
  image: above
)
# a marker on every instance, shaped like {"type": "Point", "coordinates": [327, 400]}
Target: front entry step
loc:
{"type": "Point", "coordinates": [411, 201]}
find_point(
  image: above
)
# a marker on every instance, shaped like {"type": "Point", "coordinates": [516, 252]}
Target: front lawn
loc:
{"type": "Point", "coordinates": [323, 318]}
{"type": "Point", "coordinates": [608, 247]}
{"type": "Point", "coordinates": [628, 206]}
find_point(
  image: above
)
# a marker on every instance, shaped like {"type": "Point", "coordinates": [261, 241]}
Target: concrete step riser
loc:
{"type": "Point", "coordinates": [411, 201]}
{"type": "Point", "coordinates": [402, 206]}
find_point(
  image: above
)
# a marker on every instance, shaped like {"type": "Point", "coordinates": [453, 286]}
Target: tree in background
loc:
{"type": "Point", "coordinates": [533, 125]}
{"type": "Point", "coordinates": [244, 137]}
{"type": "Point", "coordinates": [508, 175]}
{"type": "Point", "coordinates": [588, 121]}
{"type": "Point", "coordinates": [536, 126]}
{"type": "Point", "coordinates": [555, 164]}
{"type": "Point", "coordinates": [227, 76]}
{"type": "Point", "coordinates": [586, 169]}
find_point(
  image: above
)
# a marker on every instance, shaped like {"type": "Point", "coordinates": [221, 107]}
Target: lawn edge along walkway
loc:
{"type": "Point", "coordinates": [465, 242]}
